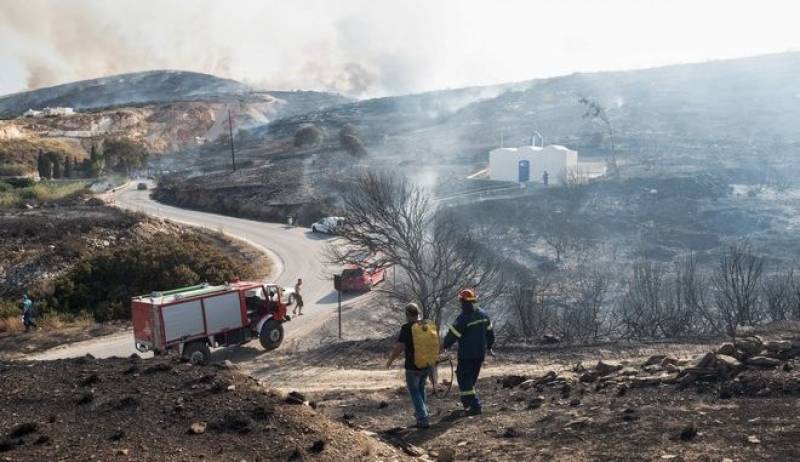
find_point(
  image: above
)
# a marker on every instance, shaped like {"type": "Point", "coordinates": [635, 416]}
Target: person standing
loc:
{"type": "Point", "coordinates": [545, 178]}
{"type": "Point", "coordinates": [419, 361]}
{"type": "Point", "coordinates": [298, 298]}
{"type": "Point", "coordinates": [475, 336]}
{"type": "Point", "coordinates": [28, 315]}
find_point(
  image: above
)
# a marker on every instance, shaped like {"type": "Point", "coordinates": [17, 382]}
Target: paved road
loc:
{"type": "Point", "coordinates": [296, 251]}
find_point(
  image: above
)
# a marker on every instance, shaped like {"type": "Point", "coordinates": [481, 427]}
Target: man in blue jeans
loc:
{"type": "Point", "coordinates": [415, 377]}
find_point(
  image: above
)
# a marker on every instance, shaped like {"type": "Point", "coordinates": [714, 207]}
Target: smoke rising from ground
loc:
{"type": "Point", "coordinates": [365, 48]}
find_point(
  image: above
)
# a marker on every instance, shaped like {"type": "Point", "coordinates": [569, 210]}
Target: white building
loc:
{"type": "Point", "coordinates": [49, 111]}
{"type": "Point", "coordinates": [31, 113]}
{"type": "Point", "coordinates": [529, 163]}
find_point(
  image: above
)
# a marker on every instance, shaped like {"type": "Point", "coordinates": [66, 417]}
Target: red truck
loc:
{"type": "Point", "coordinates": [191, 320]}
{"type": "Point", "coordinates": [357, 279]}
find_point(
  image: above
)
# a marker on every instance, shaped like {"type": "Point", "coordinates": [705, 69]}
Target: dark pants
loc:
{"type": "Point", "coordinates": [28, 322]}
{"type": "Point", "coordinates": [467, 373]}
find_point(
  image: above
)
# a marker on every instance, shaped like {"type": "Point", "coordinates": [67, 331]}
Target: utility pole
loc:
{"type": "Point", "coordinates": [230, 133]}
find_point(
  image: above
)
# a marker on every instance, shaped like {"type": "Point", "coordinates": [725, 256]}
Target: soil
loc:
{"type": "Point", "coordinates": [16, 343]}
{"type": "Point", "coordinates": [132, 409]}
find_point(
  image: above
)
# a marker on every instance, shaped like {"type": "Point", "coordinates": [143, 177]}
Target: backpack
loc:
{"type": "Point", "coordinates": [425, 338]}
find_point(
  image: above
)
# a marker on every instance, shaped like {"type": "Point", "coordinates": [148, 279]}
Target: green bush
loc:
{"type": "Point", "coordinates": [103, 284]}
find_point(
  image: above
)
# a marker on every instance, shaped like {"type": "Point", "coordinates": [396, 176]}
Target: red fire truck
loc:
{"type": "Point", "coordinates": [191, 320]}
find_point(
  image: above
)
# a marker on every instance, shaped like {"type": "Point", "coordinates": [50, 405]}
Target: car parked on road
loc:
{"type": "Point", "coordinates": [327, 225]}
{"type": "Point", "coordinates": [357, 279]}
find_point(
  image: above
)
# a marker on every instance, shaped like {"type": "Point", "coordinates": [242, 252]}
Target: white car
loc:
{"type": "Point", "coordinates": [327, 225]}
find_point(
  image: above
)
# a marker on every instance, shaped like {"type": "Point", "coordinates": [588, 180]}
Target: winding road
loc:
{"type": "Point", "coordinates": [296, 252]}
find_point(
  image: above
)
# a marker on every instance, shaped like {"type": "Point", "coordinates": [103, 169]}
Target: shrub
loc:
{"type": "Point", "coordinates": [104, 283]}
{"type": "Point", "coordinates": [308, 135]}
{"type": "Point", "coordinates": [353, 146]}
{"type": "Point", "coordinates": [14, 169]}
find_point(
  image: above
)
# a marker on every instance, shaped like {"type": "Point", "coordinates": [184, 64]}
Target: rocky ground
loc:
{"type": "Point", "coordinates": [161, 410]}
{"type": "Point", "coordinates": [738, 403]}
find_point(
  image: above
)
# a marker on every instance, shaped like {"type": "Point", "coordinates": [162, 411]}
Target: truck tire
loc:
{"type": "Point", "coordinates": [271, 335]}
{"type": "Point", "coordinates": [197, 353]}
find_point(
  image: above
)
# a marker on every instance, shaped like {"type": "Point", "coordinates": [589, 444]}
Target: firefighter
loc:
{"type": "Point", "coordinates": [28, 315]}
{"type": "Point", "coordinates": [475, 336]}
{"type": "Point", "coordinates": [298, 298]}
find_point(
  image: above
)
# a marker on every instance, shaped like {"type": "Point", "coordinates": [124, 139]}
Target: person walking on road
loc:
{"type": "Point", "coordinates": [475, 336]}
{"type": "Point", "coordinates": [298, 298]}
{"type": "Point", "coordinates": [419, 340]}
{"type": "Point", "coordinates": [28, 315]}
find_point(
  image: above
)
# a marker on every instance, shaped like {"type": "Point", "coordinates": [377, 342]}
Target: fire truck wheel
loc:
{"type": "Point", "coordinates": [271, 335]}
{"type": "Point", "coordinates": [197, 353]}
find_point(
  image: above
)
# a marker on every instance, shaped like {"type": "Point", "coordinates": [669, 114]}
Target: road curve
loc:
{"type": "Point", "coordinates": [296, 251]}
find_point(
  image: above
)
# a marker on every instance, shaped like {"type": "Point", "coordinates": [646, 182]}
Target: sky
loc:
{"type": "Point", "coordinates": [367, 48]}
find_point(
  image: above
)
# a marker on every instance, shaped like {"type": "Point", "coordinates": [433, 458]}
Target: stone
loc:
{"type": "Point", "coordinates": [704, 361]}
{"type": "Point", "coordinates": [122, 452]}
{"type": "Point", "coordinates": [446, 455]}
{"type": "Point", "coordinates": [727, 348]}
{"type": "Point", "coordinates": [550, 339]}
{"type": "Point", "coordinates": [763, 361]}
{"type": "Point", "coordinates": [628, 371]}
{"type": "Point", "coordinates": [655, 359]}
{"type": "Point", "coordinates": [752, 439]}
{"type": "Point", "coordinates": [688, 432]}
{"type": "Point", "coordinates": [198, 428]}
{"type": "Point", "coordinates": [607, 367]}
{"type": "Point", "coordinates": [653, 368]}
{"type": "Point", "coordinates": [574, 402]}
{"type": "Point", "coordinates": [750, 346]}
{"type": "Point", "coordinates": [588, 377]}
{"type": "Point", "coordinates": [778, 346]}
{"type": "Point", "coordinates": [511, 381]}
{"type": "Point", "coordinates": [536, 402]}
{"type": "Point", "coordinates": [729, 363]}
{"type": "Point", "coordinates": [511, 432]}
{"type": "Point", "coordinates": [295, 397]}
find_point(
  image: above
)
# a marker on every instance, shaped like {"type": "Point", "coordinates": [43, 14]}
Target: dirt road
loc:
{"type": "Point", "coordinates": [296, 252]}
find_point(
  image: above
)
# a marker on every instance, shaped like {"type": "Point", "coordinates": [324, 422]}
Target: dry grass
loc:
{"type": "Point", "coordinates": [41, 192]}
{"type": "Point", "coordinates": [47, 323]}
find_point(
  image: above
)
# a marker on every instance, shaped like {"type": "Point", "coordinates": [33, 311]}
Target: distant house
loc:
{"type": "Point", "coordinates": [529, 163]}
{"type": "Point", "coordinates": [57, 111]}
{"type": "Point", "coordinates": [49, 112]}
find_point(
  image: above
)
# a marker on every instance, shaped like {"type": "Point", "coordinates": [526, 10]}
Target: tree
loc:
{"type": "Point", "coordinates": [97, 162]}
{"type": "Point", "coordinates": [40, 166]}
{"type": "Point", "coordinates": [67, 167]}
{"type": "Point", "coordinates": [55, 162]}
{"type": "Point", "coordinates": [529, 304]}
{"type": "Point", "coordinates": [308, 135]}
{"type": "Point", "coordinates": [736, 287]}
{"type": "Point", "coordinates": [596, 112]}
{"type": "Point", "coordinates": [123, 155]}
{"type": "Point", "coordinates": [388, 221]}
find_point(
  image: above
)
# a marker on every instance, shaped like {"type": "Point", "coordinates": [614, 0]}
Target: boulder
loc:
{"type": "Point", "coordinates": [778, 346]}
{"type": "Point", "coordinates": [750, 346]}
{"type": "Point", "coordinates": [704, 361]}
{"type": "Point", "coordinates": [728, 363]}
{"type": "Point", "coordinates": [727, 348]}
{"type": "Point", "coordinates": [653, 368]}
{"type": "Point", "coordinates": [655, 359]}
{"type": "Point", "coordinates": [511, 381]}
{"type": "Point", "coordinates": [607, 367]}
{"type": "Point", "coordinates": [763, 361]}
{"type": "Point", "coordinates": [550, 339]}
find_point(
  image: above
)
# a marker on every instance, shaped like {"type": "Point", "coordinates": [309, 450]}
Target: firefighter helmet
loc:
{"type": "Point", "coordinates": [468, 295]}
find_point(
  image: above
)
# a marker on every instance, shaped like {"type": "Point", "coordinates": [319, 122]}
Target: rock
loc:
{"type": "Point", "coordinates": [198, 428]}
{"type": "Point", "coordinates": [536, 402]}
{"type": "Point", "coordinates": [86, 398]}
{"type": "Point", "coordinates": [622, 390]}
{"type": "Point", "coordinates": [607, 367]}
{"type": "Point", "coordinates": [446, 455]}
{"type": "Point", "coordinates": [511, 381]}
{"type": "Point", "coordinates": [629, 415]}
{"type": "Point", "coordinates": [655, 359]}
{"type": "Point", "coordinates": [588, 377]}
{"type": "Point", "coordinates": [296, 397]}
{"type": "Point", "coordinates": [90, 379]}
{"type": "Point", "coordinates": [750, 346]}
{"type": "Point", "coordinates": [704, 361]}
{"type": "Point", "coordinates": [574, 402]}
{"type": "Point", "coordinates": [383, 405]}
{"type": "Point", "coordinates": [122, 452]}
{"type": "Point", "coordinates": [652, 368]}
{"type": "Point", "coordinates": [413, 451]}
{"type": "Point", "coordinates": [511, 432]}
{"type": "Point", "coordinates": [727, 348]}
{"type": "Point", "coordinates": [23, 429]}
{"type": "Point", "coordinates": [527, 385]}
{"type": "Point", "coordinates": [550, 339]}
{"type": "Point", "coordinates": [728, 363]}
{"type": "Point", "coordinates": [117, 435]}
{"type": "Point", "coordinates": [763, 361]}
{"type": "Point", "coordinates": [778, 346]}
{"type": "Point", "coordinates": [628, 371]}
{"type": "Point", "coordinates": [688, 432]}
{"type": "Point", "coordinates": [318, 446]}
{"type": "Point", "coordinates": [646, 381]}
{"type": "Point", "coordinates": [752, 439]}
{"type": "Point", "coordinates": [579, 422]}
{"type": "Point", "coordinates": [550, 376]}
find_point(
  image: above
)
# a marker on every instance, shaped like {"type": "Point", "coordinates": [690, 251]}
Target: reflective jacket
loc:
{"type": "Point", "coordinates": [473, 332]}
